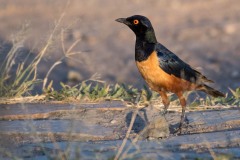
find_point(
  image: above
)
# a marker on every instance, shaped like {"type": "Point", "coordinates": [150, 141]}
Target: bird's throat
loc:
{"type": "Point", "coordinates": [143, 49]}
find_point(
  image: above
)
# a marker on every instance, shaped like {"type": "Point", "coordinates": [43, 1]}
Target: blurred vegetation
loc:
{"type": "Point", "coordinates": [23, 80]}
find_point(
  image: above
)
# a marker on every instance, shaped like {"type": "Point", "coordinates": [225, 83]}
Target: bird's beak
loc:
{"type": "Point", "coordinates": [123, 20]}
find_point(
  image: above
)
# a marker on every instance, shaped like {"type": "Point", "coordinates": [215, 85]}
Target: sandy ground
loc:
{"type": "Point", "coordinates": [203, 33]}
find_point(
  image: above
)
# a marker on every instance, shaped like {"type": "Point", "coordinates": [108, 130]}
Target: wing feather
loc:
{"type": "Point", "coordinates": [172, 64]}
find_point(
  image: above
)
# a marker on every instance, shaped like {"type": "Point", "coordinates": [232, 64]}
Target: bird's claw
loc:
{"type": "Point", "coordinates": [164, 112]}
{"type": "Point", "coordinates": [178, 131]}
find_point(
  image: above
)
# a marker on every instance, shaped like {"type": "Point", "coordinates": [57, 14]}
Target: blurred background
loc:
{"type": "Point", "coordinates": [205, 34]}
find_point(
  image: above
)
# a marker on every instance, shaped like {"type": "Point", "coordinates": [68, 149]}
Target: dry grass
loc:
{"type": "Point", "coordinates": [25, 77]}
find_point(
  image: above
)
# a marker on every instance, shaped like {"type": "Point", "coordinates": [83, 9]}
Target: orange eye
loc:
{"type": "Point", "coordinates": [135, 21]}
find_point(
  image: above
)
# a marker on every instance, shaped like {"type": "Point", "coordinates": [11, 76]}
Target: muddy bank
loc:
{"type": "Point", "coordinates": [95, 131]}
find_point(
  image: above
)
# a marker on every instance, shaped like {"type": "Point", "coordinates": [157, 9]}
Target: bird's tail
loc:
{"type": "Point", "coordinates": [209, 90]}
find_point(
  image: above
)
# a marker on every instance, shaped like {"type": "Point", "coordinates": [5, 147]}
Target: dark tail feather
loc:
{"type": "Point", "coordinates": [210, 91]}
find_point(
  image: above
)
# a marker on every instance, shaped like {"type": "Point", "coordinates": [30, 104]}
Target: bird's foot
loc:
{"type": "Point", "coordinates": [179, 131]}
{"type": "Point", "coordinates": [164, 112]}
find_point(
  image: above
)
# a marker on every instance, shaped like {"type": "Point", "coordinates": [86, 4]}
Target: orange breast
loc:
{"type": "Point", "coordinates": [157, 79]}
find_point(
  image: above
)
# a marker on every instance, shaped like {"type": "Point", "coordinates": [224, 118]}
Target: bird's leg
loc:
{"type": "Point", "coordinates": [183, 104]}
{"type": "Point", "coordinates": [165, 101]}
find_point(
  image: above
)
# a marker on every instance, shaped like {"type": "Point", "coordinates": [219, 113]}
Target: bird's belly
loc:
{"type": "Point", "coordinates": [157, 79]}
{"type": "Point", "coordinates": [153, 76]}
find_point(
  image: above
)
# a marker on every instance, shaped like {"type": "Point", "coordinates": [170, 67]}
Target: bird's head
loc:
{"type": "Point", "coordinates": [141, 26]}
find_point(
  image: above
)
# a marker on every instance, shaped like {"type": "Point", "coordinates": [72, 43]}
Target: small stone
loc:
{"type": "Point", "coordinates": [74, 76]}
{"type": "Point", "coordinates": [113, 121]}
{"type": "Point", "coordinates": [230, 28]}
{"type": "Point", "coordinates": [159, 128]}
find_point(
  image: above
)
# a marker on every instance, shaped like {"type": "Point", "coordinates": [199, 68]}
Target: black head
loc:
{"type": "Point", "coordinates": [141, 26]}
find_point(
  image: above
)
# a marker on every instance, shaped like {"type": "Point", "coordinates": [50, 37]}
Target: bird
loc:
{"type": "Point", "coordinates": [163, 70]}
